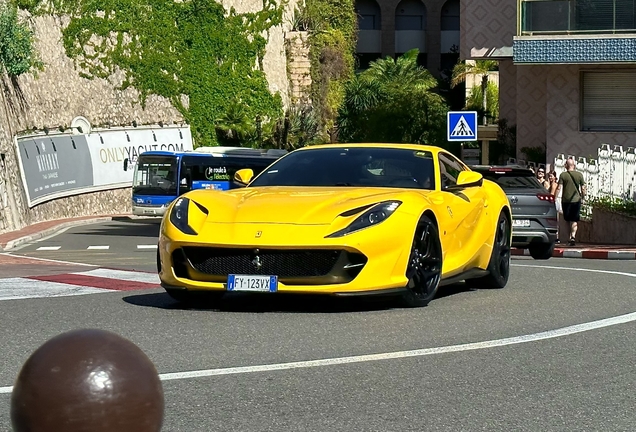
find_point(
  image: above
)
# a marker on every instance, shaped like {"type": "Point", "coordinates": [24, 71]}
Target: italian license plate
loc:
{"type": "Point", "coordinates": [521, 222]}
{"type": "Point", "coordinates": [253, 283]}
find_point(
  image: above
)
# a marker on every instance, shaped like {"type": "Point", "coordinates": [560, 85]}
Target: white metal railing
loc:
{"type": "Point", "coordinates": [612, 174]}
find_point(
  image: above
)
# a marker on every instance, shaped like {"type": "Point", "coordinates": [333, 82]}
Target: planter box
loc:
{"type": "Point", "coordinates": [612, 228]}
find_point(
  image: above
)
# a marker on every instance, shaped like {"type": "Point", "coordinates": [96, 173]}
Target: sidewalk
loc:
{"type": "Point", "coordinates": [39, 230]}
{"type": "Point", "coordinates": [12, 239]}
{"type": "Point", "coordinates": [589, 251]}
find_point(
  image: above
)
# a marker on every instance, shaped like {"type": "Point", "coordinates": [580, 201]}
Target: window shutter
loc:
{"type": "Point", "coordinates": [609, 101]}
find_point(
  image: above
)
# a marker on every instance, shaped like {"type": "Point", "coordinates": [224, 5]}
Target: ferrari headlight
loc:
{"type": "Point", "coordinates": [373, 216]}
{"type": "Point", "coordinates": [179, 216]}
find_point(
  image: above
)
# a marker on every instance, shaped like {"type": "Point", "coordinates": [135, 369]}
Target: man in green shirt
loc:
{"type": "Point", "coordinates": [572, 184]}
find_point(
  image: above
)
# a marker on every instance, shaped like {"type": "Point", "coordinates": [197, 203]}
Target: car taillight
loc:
{"type": "Point", "coordinates": [546, 197]}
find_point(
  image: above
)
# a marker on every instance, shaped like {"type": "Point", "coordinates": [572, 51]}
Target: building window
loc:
{"type": "Point", "coordinates": [450, 16]}
{"type": "Point", "coordinates": [369, 45]}
{"type": "Point", "coordinates": [608, 102]}
{"type": "Point", "coordinates": [369, 14]}
{"type": "Point", "coordinates": [410, 15]}
{"type": "Point", "coordinates": [410, 29]}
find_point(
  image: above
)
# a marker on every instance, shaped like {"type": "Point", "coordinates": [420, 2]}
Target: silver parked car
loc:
{"type": "Point", "coordinates": [534, 224]}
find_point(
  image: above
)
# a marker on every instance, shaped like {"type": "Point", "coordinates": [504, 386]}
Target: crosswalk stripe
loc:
{"type": "Point", "coordinates": [98, 247]}
{"type": "Point", "coordinates": [123, 275]}
{"type": "Point", "coordinates": [101, 280]}
{"type": "Point", "coordinates": [48, 248]}
{"type": "Point", "coordinates": [146, 246]}
{"type": "Point", "coordinates": [23, 288]}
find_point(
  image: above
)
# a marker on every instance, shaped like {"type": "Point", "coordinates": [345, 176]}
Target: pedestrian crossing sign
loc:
{"type": "Point", "coordinates": [462, 126]}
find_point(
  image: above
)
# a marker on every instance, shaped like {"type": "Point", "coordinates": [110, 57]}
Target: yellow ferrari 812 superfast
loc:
{"type": "Point", "coordinates": [341, 219]}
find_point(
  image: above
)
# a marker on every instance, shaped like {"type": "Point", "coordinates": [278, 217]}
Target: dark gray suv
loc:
{"type": "Point", "coordinates": [534, 225]}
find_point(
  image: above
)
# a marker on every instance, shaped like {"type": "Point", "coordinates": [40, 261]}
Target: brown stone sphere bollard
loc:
{"type": "Point", "coordinates": [87, 381]}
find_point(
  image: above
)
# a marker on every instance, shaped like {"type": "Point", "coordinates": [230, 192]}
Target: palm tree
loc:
{"type": "Point", "coordinates": [404, 71]}
{"type": "Point", "coordinates": [393, 101]}
{"type": "Point", "coordinates": [480, 67]}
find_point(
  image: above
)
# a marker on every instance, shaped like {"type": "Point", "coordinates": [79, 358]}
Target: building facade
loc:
{"type": "Point", "coordinates": [567, 70]}
{"type": "Point", "coordinates": [393, 27]}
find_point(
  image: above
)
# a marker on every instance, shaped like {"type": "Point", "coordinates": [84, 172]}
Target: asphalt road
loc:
{"type": "Point", "coordinates": [364, 365]}
{"type": "Point", "coordinates": [130, 244]}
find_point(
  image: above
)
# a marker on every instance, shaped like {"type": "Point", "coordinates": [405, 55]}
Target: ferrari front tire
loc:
{"type": "Point", "coordinates": [424, 270]}
{"type": "Point", "coordinates": [499, 265]}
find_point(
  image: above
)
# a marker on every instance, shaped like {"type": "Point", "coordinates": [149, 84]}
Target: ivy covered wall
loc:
{"type": "Point", "coordinates": [203, 58]}
{"type": "Point", "coordinates": [148, 61]}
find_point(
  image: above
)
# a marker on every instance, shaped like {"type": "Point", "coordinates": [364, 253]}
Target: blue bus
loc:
{"type": "Point", "coordinates": [161, 176]}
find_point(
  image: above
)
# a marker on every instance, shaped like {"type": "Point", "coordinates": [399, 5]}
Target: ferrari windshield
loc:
{"type": "Point", "coordinates": [352, 166]}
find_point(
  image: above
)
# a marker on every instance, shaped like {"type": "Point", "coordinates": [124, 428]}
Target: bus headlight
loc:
{"type": "Point", "coordinates": [179, 216]}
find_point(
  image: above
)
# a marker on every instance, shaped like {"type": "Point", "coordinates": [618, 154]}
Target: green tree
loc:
{"type": "Point", "coordinates": [17, 51]}
{"type": "Point", "coordinates": [475, 101]}
{"type": "Point", "coordinates": [393, 101]}
{"type": "Point", "coordinates": [480, 67]}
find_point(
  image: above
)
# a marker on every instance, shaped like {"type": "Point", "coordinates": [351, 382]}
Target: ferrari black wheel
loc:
{"type": "Point", "coordinates": [499, 265]}
{"type": "Point", "coordinates": [424, 270]}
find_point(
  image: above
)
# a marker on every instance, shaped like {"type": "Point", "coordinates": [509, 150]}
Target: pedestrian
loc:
{"type": "Point", "coordinates": [554, 184]}
{"type": "Point", "coordinates": [541, 178]}
{"type": "Point", "coordinates": [573, 190]}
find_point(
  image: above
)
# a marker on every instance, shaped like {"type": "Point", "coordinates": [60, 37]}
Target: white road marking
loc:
{"type": "Point", "coordinates": [123, 275]}
{"type": "Point", "coordinates": [48, 248]}
{"type": "Point", "coordinates": [577, 269]}
{"type": "Point", "coordinates": [49, 260]}
{"type": "Point", "coordinates": [23, 288]}
{"type": "Point", "coordinates": [146, 246]}
{"type": "Point", "coordinates": [97, 247]}
{"type": "Point", "coordinates": [30, 243]}
{"type": "Point", "coordinates": [550, 334]}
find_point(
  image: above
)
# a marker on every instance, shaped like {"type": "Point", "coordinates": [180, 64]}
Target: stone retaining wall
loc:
{"type": "Point", "coordinates": [59, 94]}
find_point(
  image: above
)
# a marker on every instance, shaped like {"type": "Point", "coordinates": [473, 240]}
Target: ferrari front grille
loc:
{"type": "Point", "coordinates": [297, 263]}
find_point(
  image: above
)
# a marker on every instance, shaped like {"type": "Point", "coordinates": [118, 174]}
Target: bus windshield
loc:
{"type": "Point", "coordinates": [155, 175]}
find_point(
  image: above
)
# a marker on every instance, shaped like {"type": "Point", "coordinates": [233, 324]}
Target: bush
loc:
{"type": "Point", "coordinates": [17, 53]}
{"type": "Point", "coordinates": [614, 204]}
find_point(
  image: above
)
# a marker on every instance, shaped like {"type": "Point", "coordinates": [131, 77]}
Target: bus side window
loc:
{"type": "Point", "coordinates": [185, 182]}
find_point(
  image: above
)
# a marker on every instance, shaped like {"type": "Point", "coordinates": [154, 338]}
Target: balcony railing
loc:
{"type": "Point", "coordinates": [576, 16]}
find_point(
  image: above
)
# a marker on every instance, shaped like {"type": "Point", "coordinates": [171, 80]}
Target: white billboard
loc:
{"type": "Point", "coordinates": [58, 165]}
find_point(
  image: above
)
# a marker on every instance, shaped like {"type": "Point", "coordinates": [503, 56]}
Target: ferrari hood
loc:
{"type": "Point", "coordinates": [287, 205]}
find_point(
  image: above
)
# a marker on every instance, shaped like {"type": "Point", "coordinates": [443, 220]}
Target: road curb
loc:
{"type": "Point", "coordinates": [12, 244]}
{"type": "Point", "coordinates": [585, 254]}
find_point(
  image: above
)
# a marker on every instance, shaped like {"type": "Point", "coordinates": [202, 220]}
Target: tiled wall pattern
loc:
{"type": "Point", "coordinates": [486, 24]}
{"type": "Point", "coordinates": [563, 104]}
{"type": "Point", "coordinates": [531, 107]}
{"type": "Point", "coordinates": [576, 50]}
{"type": "Point", "coordinates": [508, 91]}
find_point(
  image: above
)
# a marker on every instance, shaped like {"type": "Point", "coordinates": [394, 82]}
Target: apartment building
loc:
{"type": "Point", "coordinates": [567, 71]}
{"type": "Point", "coordinates": [393, 27]}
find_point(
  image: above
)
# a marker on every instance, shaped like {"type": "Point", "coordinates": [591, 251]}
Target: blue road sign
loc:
{"type": "Point", "coordinates": [462, 126]}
